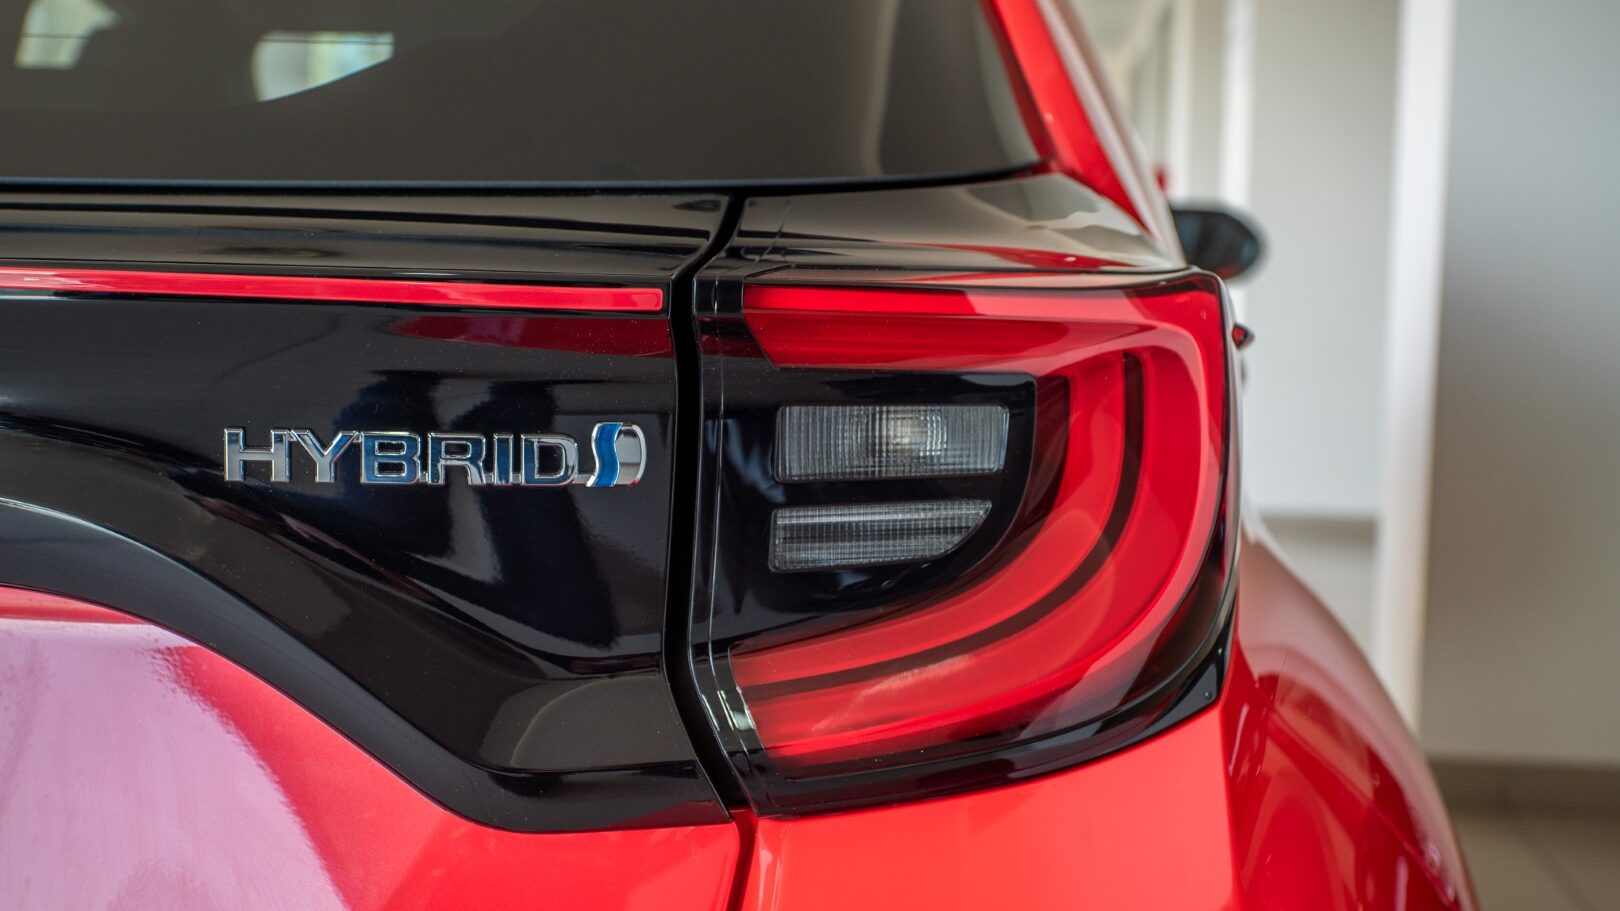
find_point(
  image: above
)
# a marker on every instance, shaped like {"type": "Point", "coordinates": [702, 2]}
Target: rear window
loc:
{"type": "Point", "coordinates": [503, 91]}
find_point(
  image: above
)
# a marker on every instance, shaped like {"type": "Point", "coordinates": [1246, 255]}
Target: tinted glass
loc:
{"type": "Point", "coordinates": [542, 91]}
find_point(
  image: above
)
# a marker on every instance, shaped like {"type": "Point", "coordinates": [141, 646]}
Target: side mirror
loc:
{"type": "Point", "coordinates": [1218, 240]}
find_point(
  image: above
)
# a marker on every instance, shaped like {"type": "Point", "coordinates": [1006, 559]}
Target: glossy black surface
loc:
{"type": "Point", "coordinates": [587, 237]}
{"type": "Point", "coordinates": [506, 92]}
{"type": "Point", "coordinates": [1045, 223]}
{"type": "Point", "coordinates": [501, 647]}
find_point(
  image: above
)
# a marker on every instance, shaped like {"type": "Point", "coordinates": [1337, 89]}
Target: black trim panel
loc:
{"type": "Point", "coordinates": [500, 647]}
{"type": "Point", "coordinates": [48, 551]}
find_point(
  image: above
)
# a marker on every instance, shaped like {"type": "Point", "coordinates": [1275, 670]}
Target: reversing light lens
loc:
{"type": "Point", "coordinates": [870, 442]}
{"type": "Point", "coordinates": [836, 537]}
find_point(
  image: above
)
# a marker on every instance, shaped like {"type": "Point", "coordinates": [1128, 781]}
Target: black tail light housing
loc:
{"type": "Point", "coordinates": [953, 533]}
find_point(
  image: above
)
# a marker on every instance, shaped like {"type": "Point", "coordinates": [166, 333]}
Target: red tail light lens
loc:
{"type": "Point", "coordinates": [1068, 621]}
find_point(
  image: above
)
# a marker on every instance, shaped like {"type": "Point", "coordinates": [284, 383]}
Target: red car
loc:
{"type": "Point", "coordinates": [642, 455]}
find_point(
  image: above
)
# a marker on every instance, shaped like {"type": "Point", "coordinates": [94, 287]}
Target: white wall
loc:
{"type": "Point", "coordinates": [1319, 184]}
{"type": "Point", "coordinates": [1523, 644]}
{"type": "Point", "coordinates": [1198, 173]}
{"type": "Point", "coordinates": [1416, 250]}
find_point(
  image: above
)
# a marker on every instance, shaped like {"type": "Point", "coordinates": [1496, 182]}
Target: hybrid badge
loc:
{"type": "Point", "coordinates": [618, 450]}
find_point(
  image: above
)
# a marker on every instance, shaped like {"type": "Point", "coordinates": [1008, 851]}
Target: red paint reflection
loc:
{"type": "Point", "coordinates": [140, 770]}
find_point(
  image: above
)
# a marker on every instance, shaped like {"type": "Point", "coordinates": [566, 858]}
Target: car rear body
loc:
{"type": "Point", "coordinates": [639, 456]}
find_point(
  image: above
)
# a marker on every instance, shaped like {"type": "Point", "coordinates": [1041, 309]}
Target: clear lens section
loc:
{"type": "Point", "coordinates": [866, 442]}
{"type": "Point", "coordinates": [835, 537]}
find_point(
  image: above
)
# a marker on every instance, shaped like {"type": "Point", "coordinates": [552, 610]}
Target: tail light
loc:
{"type": "Point", "coordinates": [957, 535]}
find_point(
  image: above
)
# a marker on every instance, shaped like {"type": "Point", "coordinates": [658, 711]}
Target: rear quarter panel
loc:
{"type": "Point", "coordinates": [1301, 788]}
{"type": "Point", "coordinates": [141, 770]}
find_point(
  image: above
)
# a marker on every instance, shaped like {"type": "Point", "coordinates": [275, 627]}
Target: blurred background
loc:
{"type": "Point", "coordinates": [1433, 403]}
